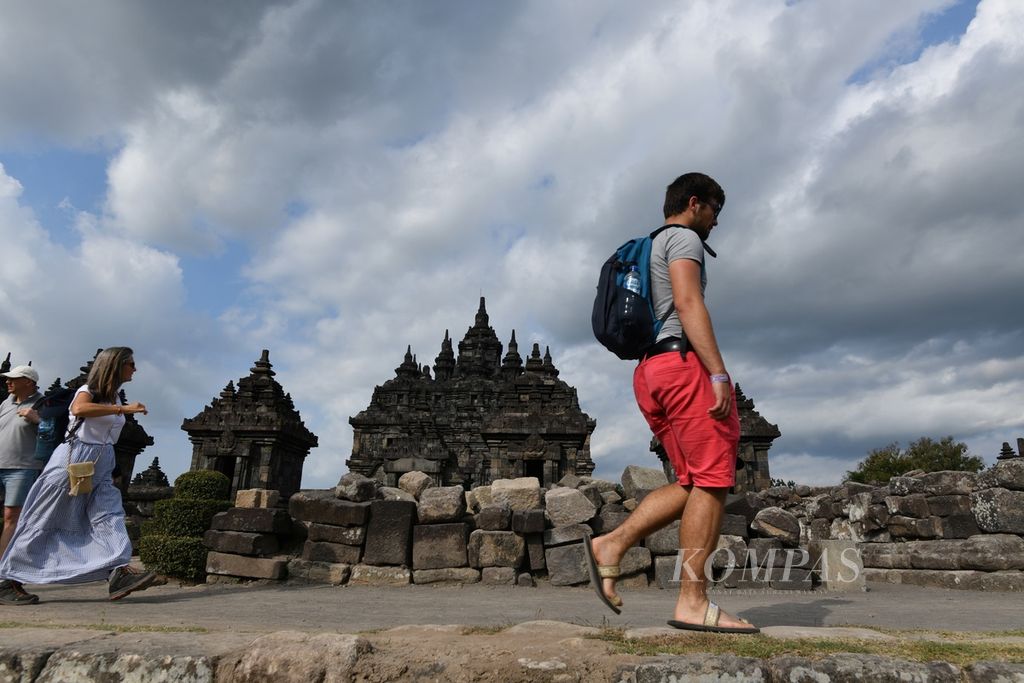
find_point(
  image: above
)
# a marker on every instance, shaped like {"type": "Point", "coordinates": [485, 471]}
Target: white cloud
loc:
{"type": "Point", "coordinates": [866, 289]}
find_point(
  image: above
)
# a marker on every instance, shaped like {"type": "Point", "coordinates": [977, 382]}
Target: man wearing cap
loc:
{"type": "Point", "coordinates": [19, 468]}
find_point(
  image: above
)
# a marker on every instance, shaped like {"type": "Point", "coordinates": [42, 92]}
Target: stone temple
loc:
{"type": "Point", "coordinates": [480, 416]}
{"type": "Point", "coordinates": [252, 434]}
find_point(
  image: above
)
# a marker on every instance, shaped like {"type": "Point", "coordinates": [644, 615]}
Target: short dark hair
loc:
{"type": "Point", "coordinates": [704, 187]}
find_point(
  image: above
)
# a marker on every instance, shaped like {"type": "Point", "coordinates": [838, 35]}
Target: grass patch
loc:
{"type": "Point", "coordinates": [482, 630]}
{"type": "Point", "coordinates": [119, 628]}
{"type": "Point", "coordinates": [762, 647]}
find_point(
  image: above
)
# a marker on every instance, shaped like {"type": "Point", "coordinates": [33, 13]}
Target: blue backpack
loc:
{"type": "Point", "coordinates": [624, 321]}
{"type": "Point", "coordinates": [53, 421]}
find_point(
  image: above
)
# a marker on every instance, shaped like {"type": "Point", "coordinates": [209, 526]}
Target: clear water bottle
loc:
{"type": "Point", "coordinates": [632, 281]}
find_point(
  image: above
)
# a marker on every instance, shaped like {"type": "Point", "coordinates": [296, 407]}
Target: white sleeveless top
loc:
{"type": "Point", "coordinates": [104, 429]}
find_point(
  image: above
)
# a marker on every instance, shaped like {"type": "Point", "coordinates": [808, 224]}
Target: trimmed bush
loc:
{"type": "Point", "coordinates": [202, 485]}
{"type": "Point", "coordinates": [172, 542]}
{"type": "Point", "coordinates": [181, 556]}
{"type": "Point", "coordinates": [183, 517]}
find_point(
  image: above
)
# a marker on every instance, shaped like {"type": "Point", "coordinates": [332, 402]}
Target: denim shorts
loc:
{"type": "Point", "coordinates": [16, 484]}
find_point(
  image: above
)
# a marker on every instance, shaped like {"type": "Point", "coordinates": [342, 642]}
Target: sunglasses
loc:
{"type": "Point", "coordinates": [715, 207]}
{"type": "Point", "coordinates": [130, 363]}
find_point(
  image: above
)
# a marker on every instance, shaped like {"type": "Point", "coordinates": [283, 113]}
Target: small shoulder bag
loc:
{"type": "Point", "coordinates": [79, 473]}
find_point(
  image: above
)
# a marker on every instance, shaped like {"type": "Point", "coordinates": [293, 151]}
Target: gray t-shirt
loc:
{"type": "Point", "coordinates": [670, 245]}
{"type": "Point", "coordinates": [18, 435]}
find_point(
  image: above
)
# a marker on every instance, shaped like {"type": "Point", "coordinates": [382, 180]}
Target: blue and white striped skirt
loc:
{"type": "Point", "coordinates": [69, 539]}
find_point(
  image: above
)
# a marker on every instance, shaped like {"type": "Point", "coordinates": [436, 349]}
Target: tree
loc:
{"type": "Point", "coordinates": [923, 454]}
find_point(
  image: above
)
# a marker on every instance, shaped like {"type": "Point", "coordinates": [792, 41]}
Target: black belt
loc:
{"type": "Point", "coordinates": [665, 346]}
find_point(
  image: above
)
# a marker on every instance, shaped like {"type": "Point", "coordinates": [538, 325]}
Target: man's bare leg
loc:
{"type": "Point", "coordinates": [659, 508]}
{"type": "Point", "coordinates": [11, 515]}
{"type": "Point", "coordinates": [698, 538]}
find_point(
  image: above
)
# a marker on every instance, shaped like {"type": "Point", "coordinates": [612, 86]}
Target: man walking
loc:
{"type": "Point", "coordinates": [19, 468]}
{"type": "Point", "coordinates": [687, 398]}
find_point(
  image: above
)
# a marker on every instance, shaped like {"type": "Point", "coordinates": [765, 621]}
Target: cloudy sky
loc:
{"type": "Point", "coordinates": [335, 181]}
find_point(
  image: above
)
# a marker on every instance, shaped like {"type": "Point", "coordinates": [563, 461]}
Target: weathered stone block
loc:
{"type": "Point", "coordinates": [496, 549]}
{"type": "Point", "coordinates": [535, 551]}
{"type": "Point", "coordinates": [439, 546]}
{"type": "Point", "coordinates": [494, 518]}
{"type": "Point", "coordinates": [958, 526]}
{"type": "Point", "coordinates": [734, 525]}
{"type": "Point", "coordinates": [483, 495]}
{"type": "Point", "coordinates": [448, 575]}
{"type": "Point", "coordinates": [639, 481]}
{"type": "Point", "coordinates": [914, 505]}
{"type": "Point", "coordinates": [389, 533]}
{"type": "Point", "coordinates": [844, 529]}
{"type": "Point", "coordinates": [566, 534]}
{"type": "Point", "coordinates": [240, 542]}
{"type": "Point", "coordinates": [820, 507]}
{"type": "Point", "coordinates": [857, 506]}
{"type": "Point", "coordinates": [318, 551]}
{"type": "Point", "coordinates": [593, 494]}
{"type": "Point", "coordinates": [498, 576]}
{"type": "Point", "coordinates": [665, 571]}
{"type": "Point", "coordinates": [819, 530]}
{"type": "Point", "coordinates": [1005, 474]}
{"type": "Point", "coordinates": [948, 483]}
{"type": "Point", "coordinates": [635, 559]}
{"type": "Point", "coordinates": [567, 565]}
{"type": "Point", "coordinates": [519, 494]}
{"type": "Point", "coordinates": [570, 481]}
{"type": "Point", "coordinates": [393, 493]}
{"type": "Point", "coordinates": [630, 504]}
{"type": "Point", "coordinates": [526, 580]}
{"type": "Point", "coordinates": [664, 541]}
{"type": "Point", "coordinates": [610, 498]}
{"type": "Point", "coordinates": [253, 520]}
{"type": "Point", "coordinates": [907, 527]}
{"type": "Point", "coordinates": [349, 535]}
{"type": "Point", "coordinates": [885, 555]}
{"type": "Point", "coordinates": [372, 575]}
{"type": "Point", "coordinates": [992, 552]}
{"type": "Point", "coordinates": [529, 521]}
{"type": "Point", "coordinates": [731, 552]}
{"type": "Point", "coordinates": [414, 483]}
{"type": "Point", "coordinates": [441, 504]}
{"type": "Point", "coordinates": [607, 521]}
{"type": "Point", "coordinates": [248, 567]}
{"type": "Point", "coordinates": [775, 522]}
{"type": "Point", "coordinates": [945, 506]}
{"type": "Point", "coordinates": [999, 510]}
{"type": "Point", "coordinates": [324, 508]}
{"type": "Point", "coordinates": [356, 488]}
{"type": "Point", "coordinates": [257, 498]}
{"type": "Point", "coordinates": [567, 506]}
{"type": "Point", "coordinates": [937, 554]}
{"type": "Point", "coordinates": [318, 572]}
{"type": "Point", "coordinates": [857, 667]}
{"type": "Point", "coordinates": [839, 565]}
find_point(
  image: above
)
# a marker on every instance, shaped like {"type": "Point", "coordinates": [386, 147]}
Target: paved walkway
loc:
{"type": "Point", "coordinates": [350, 609]}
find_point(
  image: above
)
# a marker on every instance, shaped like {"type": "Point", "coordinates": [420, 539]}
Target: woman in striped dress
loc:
{"type": "Point", "coordinates": [75, 539]}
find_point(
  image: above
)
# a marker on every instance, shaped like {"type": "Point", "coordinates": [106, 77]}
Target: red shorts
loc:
{"type": "Point", "coordinates": [674, 394]}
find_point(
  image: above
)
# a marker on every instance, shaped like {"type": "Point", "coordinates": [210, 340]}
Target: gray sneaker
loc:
{"type": "Point", "coordinates": [126, 579]}
{"type": "Point", "coordinates": [14, 594]}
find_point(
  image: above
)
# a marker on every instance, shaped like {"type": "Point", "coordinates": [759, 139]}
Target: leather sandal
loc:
{"type": "Point", "coordinates": [598, 572]}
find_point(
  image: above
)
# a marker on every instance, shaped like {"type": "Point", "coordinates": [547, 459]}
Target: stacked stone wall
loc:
{"type": "Point", "coordinates": [952, 529]}
{"type": "Point", "coordinates": [948, 529]}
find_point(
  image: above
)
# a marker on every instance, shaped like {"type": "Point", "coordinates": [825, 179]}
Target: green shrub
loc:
{"type": "Point", "coordinates": [202, 485]}
{"type": "Point", "coordinates": [183, 517]}
{"type": "Point", "coordinates": [181, 557]}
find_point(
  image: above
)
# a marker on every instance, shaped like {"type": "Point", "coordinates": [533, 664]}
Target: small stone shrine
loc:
{"type": "Point", "coordinates": [252, 434]}
{"type": "Point", "coordinates": [480, 417]}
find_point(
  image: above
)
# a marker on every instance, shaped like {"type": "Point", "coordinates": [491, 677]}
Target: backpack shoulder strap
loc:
{"type": "Point", "coordinates": [680, 225]}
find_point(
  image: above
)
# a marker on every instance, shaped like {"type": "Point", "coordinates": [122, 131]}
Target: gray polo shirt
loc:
{"type": "Point", "coordinates": [18, 435]}
{"type": "Point", "coordinates": [670, 245]}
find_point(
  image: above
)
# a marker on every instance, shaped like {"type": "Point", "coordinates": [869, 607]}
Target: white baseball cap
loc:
{"type": "Point", "coordinates": [22, 371]}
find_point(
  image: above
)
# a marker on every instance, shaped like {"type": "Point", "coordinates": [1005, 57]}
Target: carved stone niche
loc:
{"type": "Point", "coordinates": [252, 434]}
